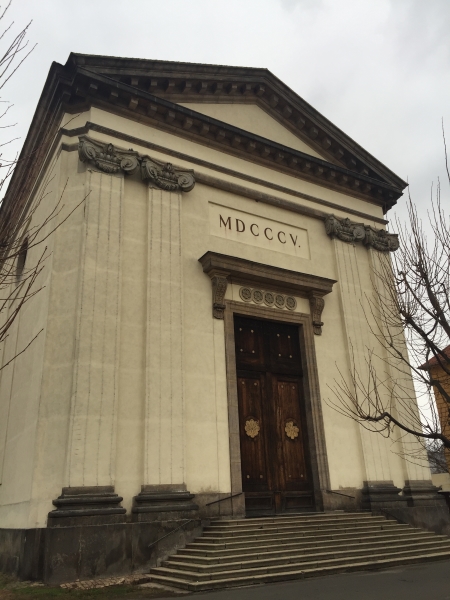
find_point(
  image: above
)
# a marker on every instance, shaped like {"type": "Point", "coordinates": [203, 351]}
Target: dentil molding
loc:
{"type": "Point", "coordinates": [110, 159]}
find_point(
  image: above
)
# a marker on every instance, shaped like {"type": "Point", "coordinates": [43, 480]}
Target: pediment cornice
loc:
{"type": "Point", "coordinates": [102, 91]}
{"type": "Point", "coordinates": [142, 90]}
{"type": "Point", "coordinates": [188, 82]}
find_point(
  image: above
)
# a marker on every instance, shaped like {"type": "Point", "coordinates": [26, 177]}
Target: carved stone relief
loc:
{"type": "Point", "coordinates": [165, 177]}
{"type": "Point", "coordinates": [219, 288]}
{"type": "Point", "coordinates": [316, 304]}
{"type": "Point", "coordinates": [112, 160]}
{"type": "Point", "coordinates": [271, 299]}
{"type": "Point", "coordinates": [381, 240]}
{"type": "Point", "coordinates": [347, 231]}
{"type": "Point", "coordinates": [106, 157]}
{"type": "Point", "coordinates": [222, 268]}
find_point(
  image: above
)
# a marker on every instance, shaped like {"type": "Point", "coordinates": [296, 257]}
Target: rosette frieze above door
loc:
{"type": "Point", "coordinates": [223, 269]}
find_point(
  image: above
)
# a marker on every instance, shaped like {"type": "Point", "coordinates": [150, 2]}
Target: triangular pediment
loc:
{"type": "Point", "coordinates": [191, 83]}
{"type": "Point", "coordinates": [254, 119]}
{"type": "Point", "coordinates": [242, 111]}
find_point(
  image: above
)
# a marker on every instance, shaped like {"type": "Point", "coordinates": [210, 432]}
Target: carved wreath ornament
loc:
{"type": "Point", "coordinates": [110, 159]}
{"type": "Point", "coordinates": [291, 430]}
{"type": "Point", "coordinates": [252, 428]}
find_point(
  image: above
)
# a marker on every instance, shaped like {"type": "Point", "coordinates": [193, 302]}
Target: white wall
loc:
{"type": "Point", "coordinates": [87, 403]}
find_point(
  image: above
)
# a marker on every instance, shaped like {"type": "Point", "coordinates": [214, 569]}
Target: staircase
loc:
{"type": "Point", "coordinates": [249, 551]}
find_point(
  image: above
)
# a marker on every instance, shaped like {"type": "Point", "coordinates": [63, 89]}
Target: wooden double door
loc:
{"type": "Point", "coordinates": [276, 474]}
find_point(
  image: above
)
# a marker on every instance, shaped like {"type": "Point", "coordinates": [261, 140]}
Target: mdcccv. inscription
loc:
{"type": "Point", "coordinates": [258, 231]}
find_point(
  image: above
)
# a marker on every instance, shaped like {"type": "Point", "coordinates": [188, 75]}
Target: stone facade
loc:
{"type": "Point", "coordinates": [202, 195]}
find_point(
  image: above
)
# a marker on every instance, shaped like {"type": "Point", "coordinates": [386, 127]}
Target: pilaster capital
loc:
{"type": "Point", "coordinates": [106, 157]}
{"type": "Point", "coordinates": [110, 159]}
{"type": "Point", "coordinates": [344, 229]}
{"type": "Point", "coordinates": [350, 232]}
{"type": "Point", "coordinates": [381, 240]}
{"type": "Point", "coordinates": [165, 177]}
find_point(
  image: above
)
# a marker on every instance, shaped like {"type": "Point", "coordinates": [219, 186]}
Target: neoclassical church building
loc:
{"type": "Point", "coordinates": [214, 243]}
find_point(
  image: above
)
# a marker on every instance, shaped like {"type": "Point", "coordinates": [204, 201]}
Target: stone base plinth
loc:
{"type": "Point", "coordinates": [92, 505]}
{"type": "Point", "coordinates": [421, 493]}
{"type": "Point", "coordinates": [160, 503]}
{"type": "Point", "coordinates": [380, 494]}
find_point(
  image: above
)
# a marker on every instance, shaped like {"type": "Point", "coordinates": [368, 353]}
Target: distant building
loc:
{"type": "Point", "coordinates": [438, 373]}
{"type": "Point", "coordinates": [196, 310]}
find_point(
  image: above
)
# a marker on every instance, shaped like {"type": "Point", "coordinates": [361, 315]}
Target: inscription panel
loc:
{"type": "Point", "coordinates": [247, 228]}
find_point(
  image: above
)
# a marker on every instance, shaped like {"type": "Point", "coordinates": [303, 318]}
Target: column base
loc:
{"type": "Point", "coordinates": [376, 495]}
{"type": "Point", "coordinates": [164, 503]}
{"type": "Point", "coordinates": [422, 493]}
{"type": "Point", "coordinates": [420, 504]}
{"type": "Point", "coordinates": [87, 505]}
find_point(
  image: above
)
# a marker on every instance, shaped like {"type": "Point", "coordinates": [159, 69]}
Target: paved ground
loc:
{"type": "Point", "coordinates": [428, 581]}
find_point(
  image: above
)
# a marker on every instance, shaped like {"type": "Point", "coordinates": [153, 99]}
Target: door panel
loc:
{"type": "Point", "coordinates": [252, 433]}
{"type": "Point", "coordinates": [250, 347]}
{"type": "Point", "coordinates": [290, 433]}
{"type": "Point", "coordinates": [284, 349]}
{"type": "Point", "coordinates": [275, 467]}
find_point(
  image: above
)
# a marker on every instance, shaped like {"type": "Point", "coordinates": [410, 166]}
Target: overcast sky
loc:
{"type": "Point", "coordinates": [378, 69]}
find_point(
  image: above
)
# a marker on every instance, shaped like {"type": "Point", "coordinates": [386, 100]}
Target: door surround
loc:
{"type": "Point", "coordinates": [276, 476]}
{"type": "Point", "coordinates": [223, 269]}
{"type": "Point", "coordinates": [313, 407]}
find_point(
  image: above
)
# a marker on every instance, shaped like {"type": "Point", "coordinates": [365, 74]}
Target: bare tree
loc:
{"type": "Point", "coordinates": [13, 53]}
{"type": "Point", "coordinates": [409, 318]}
{"type": "Point", "coordinates": [23, 226]}
{"type": "Point", "coordinates": [436, 456]}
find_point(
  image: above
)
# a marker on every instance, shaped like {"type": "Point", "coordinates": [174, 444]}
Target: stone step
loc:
{"type": "Point", "coordinates": [311, 517]}
{"type": "Point", "coordinates": [285, 568]}
{"type": "Point", "coordinates": [240, 531]}
{"type": "Point", "coordinates": [299, 574]}
{"type": "Point", "coordinates": [234, 553]}
{"type": "Point", "coordinates": [237, 544]}
{"type": "Point", "coordinates": [287, 549]}
{"type": "Point", "coordinates": [288, 533]}
{"type": "Point", "coordinates": [284, 558]}
{"type": "Point", "coordinates": [294, 525]}
{"type": "Point", "coordinates": [299, 516]}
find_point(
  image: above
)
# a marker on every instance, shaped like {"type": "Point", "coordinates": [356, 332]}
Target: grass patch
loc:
{"type": "Point", "coordinates": [13, 589]}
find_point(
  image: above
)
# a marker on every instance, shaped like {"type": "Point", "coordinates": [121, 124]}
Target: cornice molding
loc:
{"type": "Point", "coordinates": [351, 233]}
{"type": "Point", "coordinates": [221, 184]}
{"type": "Point", "coordinates": [188, 82]}
{"type": "Point", "coordinates": [215, 182]}
{"type": "Point", "coordinates": [124, 87]}
{"type": "Point", "coordinates": [223, 269]}
{"type": "Point", "coordinates": [95, 89]}
{"type": "Point", "coordinates": [108, 158]}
